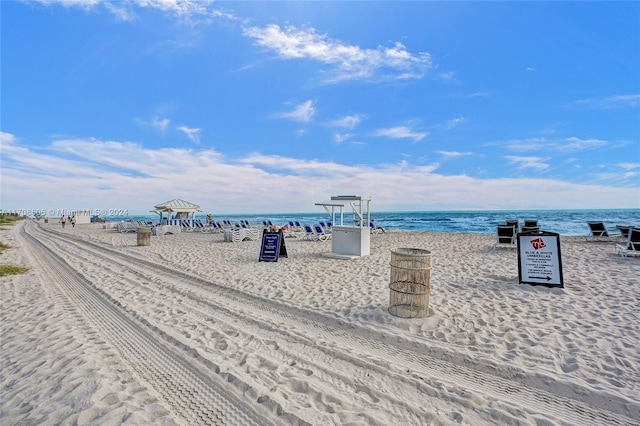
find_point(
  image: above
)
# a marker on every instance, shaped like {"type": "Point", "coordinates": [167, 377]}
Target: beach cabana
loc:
{"type": "Point", "coordinates": [176, 210]}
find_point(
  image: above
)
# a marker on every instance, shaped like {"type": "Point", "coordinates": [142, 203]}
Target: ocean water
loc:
{"type": "Point", "coordinates": [563, 222]}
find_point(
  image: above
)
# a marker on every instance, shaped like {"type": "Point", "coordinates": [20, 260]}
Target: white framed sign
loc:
{"type": "Point", "coordinates": [540, 259]}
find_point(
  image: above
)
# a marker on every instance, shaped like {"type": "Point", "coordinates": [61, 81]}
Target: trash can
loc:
{"type": "Point", "coordinates": [409, 282]}
{"type": "Point", "coordinates": [144, 236]}
{"type": "Point", "coordinates": [46, 220]}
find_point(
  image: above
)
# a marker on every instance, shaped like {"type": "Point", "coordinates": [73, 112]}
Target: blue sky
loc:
{"type": "Point", "coordinates": [265, 107]}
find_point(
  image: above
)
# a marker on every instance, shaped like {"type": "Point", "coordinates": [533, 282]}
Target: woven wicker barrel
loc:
{"type": "Point", "coordinates": [409, 282]}
{"type": "Point", "coordinates": [143, 236]}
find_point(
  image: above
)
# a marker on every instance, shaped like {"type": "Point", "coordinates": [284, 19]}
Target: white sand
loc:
{"type": "Point", "coordinates": [309, 339]}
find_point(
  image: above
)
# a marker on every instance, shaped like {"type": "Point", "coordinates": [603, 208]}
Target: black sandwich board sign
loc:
{"type": "Point", "coordinates": [272, 246]}
{"type": "Point", "coordinates": [539, 259]}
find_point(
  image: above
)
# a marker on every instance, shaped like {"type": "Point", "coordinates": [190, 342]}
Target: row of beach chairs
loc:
{"type": "Point", "coordinates": [628, 238]}
{"type": "Point", "coordinates": [507, 233]}
{"type": "Point", "coordinates": [130, 226]}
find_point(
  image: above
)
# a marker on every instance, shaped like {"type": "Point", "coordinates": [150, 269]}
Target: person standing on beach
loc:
{"type": "Point", "coordinates": [73, 221]}
{"type": "Point", "coordinates": [63, 220]}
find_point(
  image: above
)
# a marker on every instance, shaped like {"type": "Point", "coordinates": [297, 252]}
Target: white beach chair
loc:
{"type": "Point", "coordinates": [323, 234]}
{"type": "Point", "coordinates": [126, 227]}
{"type": "Point", "coordinates": [310, 234]}
{"type": "Point", "coordinates": [632, 246]}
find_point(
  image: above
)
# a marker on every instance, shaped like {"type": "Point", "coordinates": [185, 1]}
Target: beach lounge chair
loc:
{"type": "Point", "coordinates": [375, 229]}
{"type": "Point", "coordinates": [185, 225]}
{"type": "Point", "coordinates": [127, 227]}
{"type": "Point", "coordinates": [323, 234]}
{"type": "Point", "coordinates": [310, 234]}
{"type": "Point", "coordinates": [597, 231]}
{"type": "Point", "coordinates": [624, 231]}
{"type": "Point", "coordinates": [632, 245]}
{"type": "Point", "coordinates": [199, 226]}
{"type": "Point", "coordinates": [515, 223]}
{"type": "Point", "coordinates": [530, 222]}
{"type": "Point", "coordinates": [505, 237]}
{"type": "Point", "coordinates": [526, 229]}
{"type": "Point", "coordinates": [234, 235]}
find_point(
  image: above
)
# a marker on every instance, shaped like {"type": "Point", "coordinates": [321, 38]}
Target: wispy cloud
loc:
{"type": "Point", "coordinates": [401, 132]}
{"type": "Point", "coordinates": [7, 138]}
{"type": "Point", "coordinates": [302, 113]}
{"type": "Point", "coordinates": [570, 144]}
{"type": "Point", "coordinates": [577, 144]}
{"type": "Point", "coordinates": [192, 133]}
{"type": "Point", "coordinates": [478, 95]}
{"type": "Point", "coordinates": [629, 166]}
{"type": "Point", "coordinates": [536, 163]}
{"type": "Point", "coordinates": [347, 122]}
{"type": "Point", "coordinates": [611, 102]}
{"type": "Point", "coordinates": [341, 137]}
{"type": "Point", "coordinates": [348, 62]}
{"type": "Point", "coordinates": [159, 124]}
{"type": "Point", "coordinates": [125, 10]}
{"type": "Point", "coordinates": [454, 122]}
{"type": "Point", "coordinates": [453, 154]}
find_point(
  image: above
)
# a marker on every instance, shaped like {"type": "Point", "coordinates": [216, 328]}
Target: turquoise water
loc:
{"type": "Point", "coordinates": [564, 222]}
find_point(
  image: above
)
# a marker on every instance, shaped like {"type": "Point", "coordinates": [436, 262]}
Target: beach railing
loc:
{"type": "Point", "coordinates": [409, 281]}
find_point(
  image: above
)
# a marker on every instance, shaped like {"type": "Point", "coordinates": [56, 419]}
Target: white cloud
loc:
{"type": "Point", "coordinates": [193, 134]}
{"type": "Point", "coordinates": [454, 122]}
{"type": "Point", "coordinates": [120, 12]}
{"type": "Point", "coordinates": [159, 124]}
{"type": "Point", "coordinates": [453, 154]}
{"type": "Point", "coordinates": [536, 163]}
{"type": "Point", "coordinates": [341, 137]}
{"type": "Point", "coordinates": [90, 173]}
{"type": "Point", "coordinates": [125, 9]}
{"type": "Point", "coordinates": [478, 95]}
{"type": "Point", "coordinates": [401, 132]}
{"type": "Point", "coordinates": [7, 139]}
{"type": "Point", "coordinates": [347, 122]}
{"type": "Point", "coordinates": [628, 166]}
{"type": "Point", "coordinates": [302, 113]}
{"type": "Point", "coordinates": [348, 61]}
{"type": "Point", "coordinates": [610, 102]}
{"type": "Point", "coordinates": [570, 144]}
{"type": "Point", "coordinates": [576, 144]}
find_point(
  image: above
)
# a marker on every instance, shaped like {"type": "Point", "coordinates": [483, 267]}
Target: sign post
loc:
{"type": "Point", "coordinates": [272, 246]}
{"type": "Point", "coordinates": [539, 259]}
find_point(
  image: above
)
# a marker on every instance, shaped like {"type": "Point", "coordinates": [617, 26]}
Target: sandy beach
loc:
{"type": "Point", "coordinates": [195, 330]}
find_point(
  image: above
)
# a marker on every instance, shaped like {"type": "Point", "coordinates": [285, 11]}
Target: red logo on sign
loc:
{"type": "Point", "coordinates": [538, 243]}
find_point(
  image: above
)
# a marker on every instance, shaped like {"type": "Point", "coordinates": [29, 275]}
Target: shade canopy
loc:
{"type": "Point", "coordinates": [181, 208]}
{"type": "Point", "coordinates": [359, 206]}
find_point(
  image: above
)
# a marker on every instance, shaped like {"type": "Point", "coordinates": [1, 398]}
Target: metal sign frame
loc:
{"type": "Point", "coordinates": [540, 259]}
{"type": "Point", "coordinates": [272, 246]}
